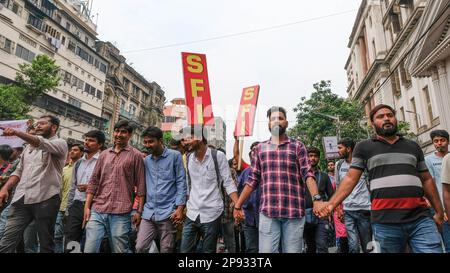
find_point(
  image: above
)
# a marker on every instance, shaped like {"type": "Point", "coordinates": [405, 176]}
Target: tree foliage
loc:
{"type": "Point", "coordinates": [32, 81]}
{"type": "Point", "coordinates": [311, 126]}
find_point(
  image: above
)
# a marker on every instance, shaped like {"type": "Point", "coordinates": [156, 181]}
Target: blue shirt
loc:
{"type": "Point", "coordinates": [165, 180]}
{"type": "Point", "coordinates": [434, 164]}
{"type": "Point", "coordinates": [251, 206]}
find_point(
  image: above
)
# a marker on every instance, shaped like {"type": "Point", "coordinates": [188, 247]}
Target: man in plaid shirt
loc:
{"type": "Point", "coordinates": [281, 167]}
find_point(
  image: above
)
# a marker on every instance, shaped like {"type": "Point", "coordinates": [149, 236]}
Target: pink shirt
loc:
{"type": "Point", "coordinates": [339, 226]}
{"type": "Point", "coordinates": [114, 179]}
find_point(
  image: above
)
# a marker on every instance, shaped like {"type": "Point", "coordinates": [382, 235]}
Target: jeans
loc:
{"type": "Point", "coordinates": [3, 220]}
{"type": "Point", "coordinates": [30, 239]}
{"type": "Point", "coordinates": [208, 231]}
{"type": "Point", "coordinates": [272, 231]}
{"type": "Point", "coordinates": [21, 215]}
{"type": "Point", "coordinates": [73, 230]}
{"type": "Point", "coordinates": [359, 230]}
{"type": "Point", "coordinates": [342, 245]}
{"type": "Point", "coordinates": [117, 226]}
{"type": "Point", "coordinates": [446, 236]}
{"type": "Point", "coordinates": [149, 231]}
{"type": "Point", "coordinates": [421, 236]}
{"type": "Point", "coordinates": [251, 239]}
{"type": "Point", "coordinates": [59, 233]}
{"type": "Point", "coordinates": [229, 236]}
{"type": "Point", "coordinates": [316, 236]}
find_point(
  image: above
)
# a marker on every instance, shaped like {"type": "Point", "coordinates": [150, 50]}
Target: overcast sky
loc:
{"type": "Point", "coordinates": [285, 61]}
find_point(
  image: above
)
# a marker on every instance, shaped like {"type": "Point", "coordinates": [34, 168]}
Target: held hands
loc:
{"type": "Point", "coordinates": [177, 217]}
{"type": "Point", "coordinates": [136, 221]}
{"type": "Point", "coordinates": [82, 188]}
{"type": "Point", "coordinates": [323, 209]}
{"type": "Point", "coordinates": [238, 215]}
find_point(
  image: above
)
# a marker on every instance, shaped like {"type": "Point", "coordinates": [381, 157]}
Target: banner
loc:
{"type": "Point", "coordinates": [196, 86]}
{"type": "Point", "coordinates": [330, 147]}
{"type": "Point", "coordinates": [13, 141]}
{"type": "Point", "coordinates": [247, 111]}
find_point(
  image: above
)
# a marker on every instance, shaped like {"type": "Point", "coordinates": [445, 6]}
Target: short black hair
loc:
{"type": "Point", "coordinates": [98, 135]}
{"type": "Point", "coordinates": [313, 150]}
{"type": "Point", "coordinates": [153, 132]}
{"type": "Point", "coordinates": [53, 120]}
{"type": "Point", "coordinates": [124, 124]}
{"type": "Point", "coordinates": [193, 131]}
{"type": "Point", "coordinates": [378, 108]}
{"type": "Point", "coordinates": [80, 146]}
{"type": "Point", "coordinates": [274, 109]}
{"type": "Point", "coordinates": [439, 133]}
{"type": "Point", "coordinates": [174, 142]}
{"type": "Point", "coordinates": [254, 144]}
{"type": "Point", "coordinates": [347, 142]}
{"type": "Point", "coordinates": [5, 152]}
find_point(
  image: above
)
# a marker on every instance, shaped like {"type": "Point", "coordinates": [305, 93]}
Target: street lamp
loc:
{"type": "Point", "coordinates": [337, 119]}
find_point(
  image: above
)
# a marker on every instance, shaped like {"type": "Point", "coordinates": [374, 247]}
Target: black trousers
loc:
{"type": "Point", "coordinates": [20, 216]}
{"type": "Point", "coordinates": [73, 230]}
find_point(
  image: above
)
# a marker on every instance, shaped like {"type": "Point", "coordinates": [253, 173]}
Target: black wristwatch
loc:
{"type": "Point", "coordinates": [317, 197]}
{"type": "Point", "coordinates": [237, 208]}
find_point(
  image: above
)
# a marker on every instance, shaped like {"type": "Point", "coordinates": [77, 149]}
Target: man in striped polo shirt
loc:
{"type": "Point", "coordinates": [399, 181]}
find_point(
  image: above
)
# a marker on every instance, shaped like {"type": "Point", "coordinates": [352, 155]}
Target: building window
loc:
{"type": "Point", "coordinates": [17, 9]}
{"type": "Point", "coordinates": [396, 20]}
{"type": "Point", "coordinates": [103, 68]}
{"type": "Point", "coordinates": [414, 112]}
{"type": "Point", "coordinates": [405, 76]}
{"type": "Point", "coordinates": [74, 102]}
{"type": "Point", "coordinates": [24, 53]}
{"type": "Point", "coordinates": [34, 21]}
{"type": "Point", "coordinates": [71, 46]}
{"type": "Point", "coordinates": [68, 26]}
{"type": "Point", "coordinates": [396, 88]}
{"type": "Point", "coordinates": [428, 103]}
{"type": "Point", "coordinates": [402, 113]}
{"type": "Point", "coordinates": [99, 94]}
{"type": "Point", "coordinates": [132, 110]}
{"type": "Point", "coordinates": [6, 44]}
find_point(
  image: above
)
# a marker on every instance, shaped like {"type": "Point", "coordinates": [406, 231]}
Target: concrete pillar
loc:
{"type": "Point", "coordinates": [441, 87]}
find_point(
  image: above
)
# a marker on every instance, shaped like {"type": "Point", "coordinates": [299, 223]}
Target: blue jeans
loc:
{"type": "Point", "coordinates": [359, 230]}
{"type": "Point", "coordinates": [316, 236]}
{"type": "Point", "coordinates": [208, 231]}
{"type": "Point", "coordinates": [117, 226]}
{"type": "Point", "coordinates": [59, 233]}
{"type": "Point", "coordinates": [446, 236]}
{"type": "Point", "coordinates": [229, 236]}
{"type": "Point", "coordinates": [272, 231]}
{"type": "Point", "coordinates": [421, 235]}
{"type": "Point", "coordinates": [251, 239]}
{"type": "Point", "coordinates": [3, 219]}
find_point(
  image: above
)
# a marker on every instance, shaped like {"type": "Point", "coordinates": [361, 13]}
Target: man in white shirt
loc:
{"type": "Point", "coordinates": [205, 203]}
{"type": "Point", "coordinates": [93, 142]}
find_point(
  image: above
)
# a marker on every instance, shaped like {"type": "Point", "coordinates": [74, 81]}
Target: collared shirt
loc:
{"type": "Point", "coordinates": [282, 171]}
{"type": "Point", "coordinates": [166, 185]}
{"type": "Point", "coordinates": [65, 188]}
{"type": "Point", "coordinates": [394, 169]}
{"type": "Point", "coordinates": [114, 178]}
{"type": "Point", "coordinates": [205, 199]}
{"type": "Point", "coordinates": [251, 206]}
{"type": "Point", "coordinates": [40, 170]}
{"type": "Point", "coordinates": [82, 172]}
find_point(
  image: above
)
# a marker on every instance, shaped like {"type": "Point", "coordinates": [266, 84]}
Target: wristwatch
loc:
{"type": "Point", "coordinates": [237, 208]}
{"type": "Point", "coordinates": [317, 197]}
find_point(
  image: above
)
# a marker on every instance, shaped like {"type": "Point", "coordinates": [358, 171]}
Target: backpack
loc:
{"type": "Point", "coordinates": [216, 167]}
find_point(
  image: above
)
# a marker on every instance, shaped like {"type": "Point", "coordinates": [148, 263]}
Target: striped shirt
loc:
{"type": "Point", "coordinates": [280, 170]}
{"type": "Point", "coordinates": [394, 175]}
{"type": "Point", "coordinates": [114, 178]}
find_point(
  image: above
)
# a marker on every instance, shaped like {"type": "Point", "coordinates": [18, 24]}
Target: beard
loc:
{"type": "Point", "coordinates": [387, 132]}
{"type": "Point", "coordinates": [277, 130]}
{"type": "Point", "coordinates": [44, 133]}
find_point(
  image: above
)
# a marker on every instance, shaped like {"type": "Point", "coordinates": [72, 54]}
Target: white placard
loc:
{"type": "Point", "coordinates": [13, 141]}
{"type": "Point", "coordinates": [330, 147]}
